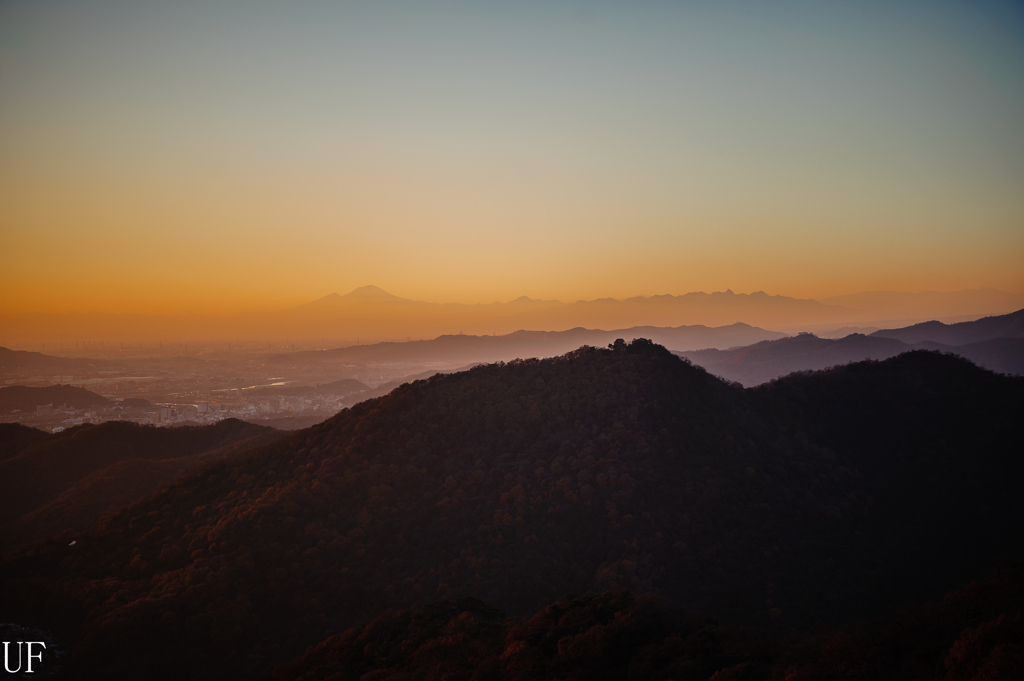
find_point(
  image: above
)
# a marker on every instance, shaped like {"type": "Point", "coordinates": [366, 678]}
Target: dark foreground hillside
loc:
{"type": "Point", "coordinates": [52, 483]}
{"type": "Point", "coordinates": [517, 484]}
{"type": "Point", "coordinates": [973, 633]}
{"type": "Point", "coordinates": [15, 437]}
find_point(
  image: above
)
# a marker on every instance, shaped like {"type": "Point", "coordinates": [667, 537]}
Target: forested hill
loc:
{"type": "Point", "coordinates": [974, 632]}
{"type": "Point", "coordinates": [50, 483]}
{"type": "Point", "coordinates": [15, 437]}
{"type": "Point", "coordinates": [523, 482]}
{"type": "Point", "coordinates": [26, 398]}
{"type": "Point", "coordinates": [932, 437]}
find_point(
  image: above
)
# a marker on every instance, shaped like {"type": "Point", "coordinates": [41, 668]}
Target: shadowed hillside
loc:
{"type": "Point", "coordinates": [520, 483]}
{"type": "Point", "coordinates": [27, 398]}
{"type": "Point", "coordinates": [15, 437]}
{"type": "Point", "coordinates": [943, 481]}
{"type": "Point", "coordinates": [975, 632]}
{"type": "Point", "coordinates": [69, 479]}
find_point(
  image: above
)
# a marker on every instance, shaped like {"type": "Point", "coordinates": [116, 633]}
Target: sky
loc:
{"type": "Point", "coordinates": [210, 157]}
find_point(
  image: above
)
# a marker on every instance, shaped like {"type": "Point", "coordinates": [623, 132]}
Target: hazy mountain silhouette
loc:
{"type": "Point", "coordinates": [363, 294]}
{"type": "Point", "coordinates": [370, 310]}
{"type": "Point", "coordinates": [712, 309]}
{"type": "Point", "coordinates": [988, 328]}
{"type": "Point", "coordinates": [370, 313]}
{"type": "Point", "coordinates": [27, 398]}
{"type": "Point", "coordinates": [522, 344]}
{"type": "Point", "coordinates": [1002, 355]}
{"type": "Point", "coordinates": [803, 503]}
{"type": "Point", "coordinates": [762, 362]}
{"type": "Point", "coordinates": [17, 359]}
{"type": "Point", "coordinates": [369, 305]}
{"type": "Point", "coordinates": [372, 294]}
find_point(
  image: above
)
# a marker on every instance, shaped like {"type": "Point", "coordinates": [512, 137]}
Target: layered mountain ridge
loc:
{"type": "Point", "coordinates": [995, 343]}
{"type": "Point", "coordinates": [370, 313]}
{"type": "Point", "coordinates": [524, 344]}
{"type": "Point", "coordinates": [519, 483]}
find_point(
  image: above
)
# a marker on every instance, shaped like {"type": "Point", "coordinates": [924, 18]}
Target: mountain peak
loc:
{"type": "Point", "coordinates": [369, 294]}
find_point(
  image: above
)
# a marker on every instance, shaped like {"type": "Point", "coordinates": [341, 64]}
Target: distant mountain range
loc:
{"type": "Point", "coordinates": [995, 343]}
{"type": "Point", "coordinates": [525, 344]}
{"type": "Point", "coordinates": [372, 314]}
{"type": "Point", "coordinates": [1004, 326]}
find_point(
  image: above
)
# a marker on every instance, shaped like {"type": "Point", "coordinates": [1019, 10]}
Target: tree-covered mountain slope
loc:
{"type": "Point", "coordinates": [974, 632]}
{"type": "Point", "coordinates": [51, 483]}
{"type": "Point", "coordinates": [519, 483]}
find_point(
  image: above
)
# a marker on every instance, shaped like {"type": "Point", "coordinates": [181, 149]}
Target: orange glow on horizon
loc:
{"type": "Point", "coordinates": [204, 160]}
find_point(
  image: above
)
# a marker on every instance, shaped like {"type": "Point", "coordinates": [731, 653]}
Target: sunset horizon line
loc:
{"type": "Point", "coordinates": [380, 292]}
